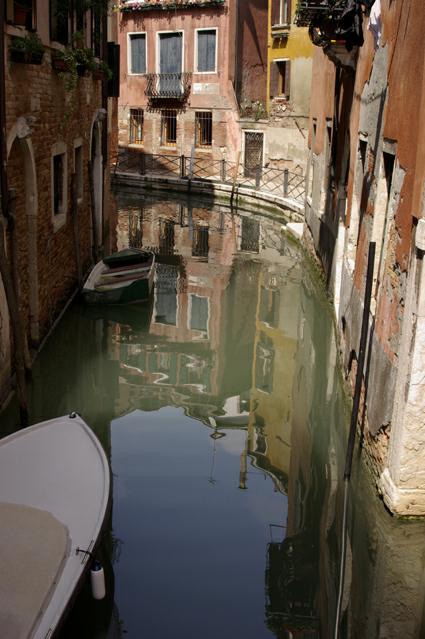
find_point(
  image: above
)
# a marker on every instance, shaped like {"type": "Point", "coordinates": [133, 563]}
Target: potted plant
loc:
{"type": "Point", "coordinates": [102, 71]}
{"type": "Point", "coordinates": [27, 50]}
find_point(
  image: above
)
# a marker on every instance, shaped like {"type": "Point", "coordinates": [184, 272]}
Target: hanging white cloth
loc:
{"type": "Point", "coordinates": [375, 22]}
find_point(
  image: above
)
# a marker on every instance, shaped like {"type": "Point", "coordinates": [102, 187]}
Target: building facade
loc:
{"type": "Point", "coordinates": [177, 78]}
{"type": "Point", "coordinates": [289, 77]}
{"type": "Point", "coordinates": [54, 160]}
{"type": "Point", "coordinates": [365, 183]}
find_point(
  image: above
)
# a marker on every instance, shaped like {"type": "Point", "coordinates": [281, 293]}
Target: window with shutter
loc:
{"type": "Point", "coordinates": [280, 79]}
{"type": "Point", "coordinates": [206, 51]}
{"type": "Point", "coordinates": [137, 53]}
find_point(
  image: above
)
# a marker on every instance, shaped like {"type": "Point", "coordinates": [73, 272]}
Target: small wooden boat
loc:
{"type": "Point", "coordinates": [54, 496]}
{"type": "Point", "coordinates": [121, 278]}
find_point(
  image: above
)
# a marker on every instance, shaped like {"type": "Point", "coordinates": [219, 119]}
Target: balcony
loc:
{"type": "Point", "coordinates": [168, 86]}
{"type": "Point", "coordinates": [311, 11]}
{"type": "Point", "coordinates": [334, 25]}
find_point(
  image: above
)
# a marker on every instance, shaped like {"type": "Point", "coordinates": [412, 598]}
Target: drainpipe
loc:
{"type": "Point", "coordinates": [5, 271]}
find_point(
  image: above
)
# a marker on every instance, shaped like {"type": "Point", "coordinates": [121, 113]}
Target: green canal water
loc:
{"type": "Point", "coordinates": [221, 409]}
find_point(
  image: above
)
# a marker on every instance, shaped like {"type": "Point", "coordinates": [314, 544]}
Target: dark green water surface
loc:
{"type": "Point", "coordinates": [221, 409]}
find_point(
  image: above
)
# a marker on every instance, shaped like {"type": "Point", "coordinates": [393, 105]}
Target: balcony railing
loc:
{"type": "Point", "coordinates": [309, 11]}
{"type": "Point", "coordinates": [173, 86]}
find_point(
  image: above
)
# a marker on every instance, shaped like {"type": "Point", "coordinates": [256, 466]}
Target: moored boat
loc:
{"type": "Point", "coordinates": [121, 278]}
{"type": "Point", "coordinates": [54, 497]}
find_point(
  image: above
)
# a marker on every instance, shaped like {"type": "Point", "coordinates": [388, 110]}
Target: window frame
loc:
{"type": "Point", "coordinates": [196, 51]}
{"type": "Point", "coordinates": [168, 145]}
{"type": "Point", "coordinates": [59, 218]}
{"type": "Point", "coordinates": [133, 33]}
{"type": "Point", "coordinates": [204, 332]}
{"type": "Point", "coordinates": [158, 50]}
{"type": "Point", "coordinates": [198, 145]}
{"type": "Point", "coordinates": [79, 175]}
{"type": "Point", "coordinates": [287, 61]}
{"type": "Point", "coordinates": [130, 141]}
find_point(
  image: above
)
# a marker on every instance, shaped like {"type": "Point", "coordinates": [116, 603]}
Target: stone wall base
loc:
{"type": "Point", "coordinates": [407, 502]}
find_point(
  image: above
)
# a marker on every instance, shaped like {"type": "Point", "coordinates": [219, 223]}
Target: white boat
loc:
{"type": "Point", "coordinates": [54, 497]}
{"type": "Point", "coordinates": [125, 277]}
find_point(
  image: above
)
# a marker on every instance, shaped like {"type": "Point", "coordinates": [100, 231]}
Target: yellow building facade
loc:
{"type": "Point", "coordinates": [290, 53]}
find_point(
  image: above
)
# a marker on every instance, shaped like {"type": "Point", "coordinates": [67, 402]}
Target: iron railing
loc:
{"type": "Point", "coordinates": [280, 182]}
{"type": "Point", "coordinates": [308, 11]}
{"type": "Point", "coordinates": [175, 86]}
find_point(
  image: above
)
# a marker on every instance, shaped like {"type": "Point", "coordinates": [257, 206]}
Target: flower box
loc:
{"type": "Point", "coordinates": [23, 57]}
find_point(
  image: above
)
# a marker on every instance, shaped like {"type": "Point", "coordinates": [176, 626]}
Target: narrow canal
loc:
{"type": "Point", "coordinates": [221, 409]}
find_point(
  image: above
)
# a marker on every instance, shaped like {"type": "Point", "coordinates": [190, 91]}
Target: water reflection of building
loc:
{"type": "Point", "coordinates": [201, 277]}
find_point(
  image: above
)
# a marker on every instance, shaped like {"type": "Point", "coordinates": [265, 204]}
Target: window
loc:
{"type": "Point", "coordinates": [96, 31]}
{"type": "Point", "coordinates": [136, 53]}
{"type": "Point", "coordinates": [206, 51]}
{"type": "Point", "coordinates": [59, 21]}
{"type": "Point", "coordinates": [281, 12]}
{"type": "Point", "coordinates": [136, 126]}
{"type": "Point", "coordinates": [21, 12]}
{"type": "Point", "coordinates": [169, 127]}
{"type": "Point", "coordinates": [199, 313]}
{"type": "Point", "coordinates": [284, 68]}
{"type": "Point", "coordinates": [78, 170]}
{"type": "Point", "coordinates": [200, 243]}
{"type": "Point", "coordinates": [203, 129]}
{"type": "Point", "coordinates": [80, 11]}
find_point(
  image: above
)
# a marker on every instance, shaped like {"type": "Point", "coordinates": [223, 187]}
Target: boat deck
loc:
{"type": "Point", "coordinates": [33, 549]}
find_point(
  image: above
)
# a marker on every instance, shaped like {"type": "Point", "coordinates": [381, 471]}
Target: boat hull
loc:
{"type": "Point", "coordinates": [55, 474]}
{"type": "Point", "coordinates": [105, 286]}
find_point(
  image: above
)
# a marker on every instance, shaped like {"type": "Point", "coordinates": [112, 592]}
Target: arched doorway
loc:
{"type": "Point", "coordinates": [23, 183]}
{"type": "Point", "coordinates": [97, 173]}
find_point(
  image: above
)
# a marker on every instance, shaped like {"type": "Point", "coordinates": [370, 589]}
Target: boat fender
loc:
{"type": "Point", "coordinates": [97, 580]}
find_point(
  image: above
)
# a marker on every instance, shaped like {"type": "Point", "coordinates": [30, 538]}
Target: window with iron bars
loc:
{"type": "Point", "coordinates": [203, 129]}
{"type": "Point", "coordinates": [136, 126]}
{"type": "Point", "coordinates": [169, 127]}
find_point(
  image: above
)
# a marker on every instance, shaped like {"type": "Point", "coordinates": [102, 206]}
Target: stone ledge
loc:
{"type": "Point", "coordinates": [402, 502]}
{"type": "Point", "coordinates": [293, 210]}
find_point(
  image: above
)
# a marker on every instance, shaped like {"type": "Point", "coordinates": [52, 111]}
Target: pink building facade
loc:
{"type": "Point", "coordinates": [177, 79]}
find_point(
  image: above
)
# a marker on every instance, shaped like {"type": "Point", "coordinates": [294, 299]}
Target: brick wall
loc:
{"type": "Point", "coordinates": [51, 116]}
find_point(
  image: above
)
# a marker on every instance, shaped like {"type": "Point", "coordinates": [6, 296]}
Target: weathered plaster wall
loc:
{"type": "Point", "coordinates": [380, 121]}
{"type": "Point", "coordinates": [210, 91]}
{"type": "Point", "coordinates": [251, 51]}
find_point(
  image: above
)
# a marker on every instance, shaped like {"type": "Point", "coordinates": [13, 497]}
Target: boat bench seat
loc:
{"type": "Point", "coordinates": [33, 548]}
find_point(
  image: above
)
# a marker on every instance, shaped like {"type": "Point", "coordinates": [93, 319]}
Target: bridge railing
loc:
{"type": "Point", "coordinates": [281, 182]}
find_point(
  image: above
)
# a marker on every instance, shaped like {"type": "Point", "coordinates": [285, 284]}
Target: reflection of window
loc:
{"type": "Point", "coordinates": [169, 127]}
{"type": "Point", "coordinates": [59, 14]}
{"type": "Point", "coordinates": [136, 126]}
{"type": "Point", "coordinates": [136, 53]}
{"type": "Point", "coordinates": [195, 371]}
{"type": "Point", "coordinates": [21, 12]}
{"type": "Point", "coordinates": [264, 365]}
{"type": "Point", "coordinates": [269, 306]}
{"type": "Point", "coordinates": [200, 241]}
{"type": "Point", "coordinates": [250, 235]}
{"type": "Point", "coordinates": [203, 129]}
{"type": "Point", "coordinates": [166, 294]}
{"type": "Point", "coordinates": [199, 312]}
{"type": "Point", "coordinates": [206, 51]}
{"type": "Point", "coordinates": [166, 237]}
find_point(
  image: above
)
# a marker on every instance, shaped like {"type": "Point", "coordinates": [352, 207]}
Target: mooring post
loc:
{"type": "Point", "coordinates": [223, 170]}
{"type": "Point", "coordinates": [142, 164]}
{"type": "Point", "coordinates": [257, 176]}
{"type": "Point", "coordinates": [285, 182]}
{"type": "Point", "coordinates": [182, 166]}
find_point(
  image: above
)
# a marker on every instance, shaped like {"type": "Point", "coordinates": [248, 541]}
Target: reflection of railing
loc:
{"type": "Point", "coordinates": [175, 86]}
{"type": "Point", "coordinates": [280, 182]}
